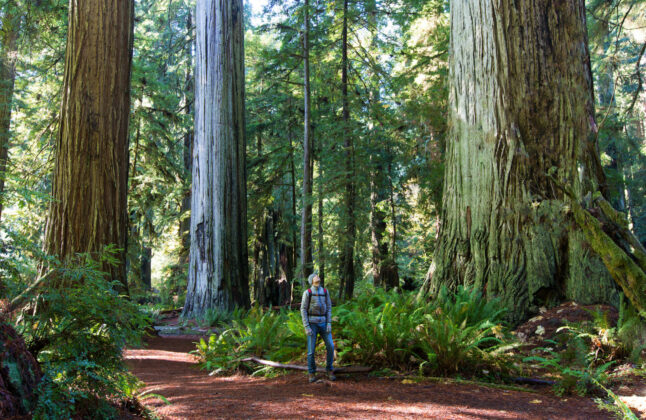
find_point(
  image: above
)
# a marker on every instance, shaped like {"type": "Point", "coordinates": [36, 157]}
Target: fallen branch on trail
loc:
{"type": "Point", "coordinates": [347, 369]}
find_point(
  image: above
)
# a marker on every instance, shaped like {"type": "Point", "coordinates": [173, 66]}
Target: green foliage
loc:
{"type": "Point", "coordinates": [259, 333]}
{"type": "Point", "coordinates": [380, 329]}
{"type": "Point", "coordinates": [575, 369]}
{"type": "Point", "coordinates": [459, 332]}
{"type": "Point", "coordinates": [464, 332]}
{"type": "Point", "coordinates": [583, 354]}
{"type": "Point", "coordinates": [77, 326]}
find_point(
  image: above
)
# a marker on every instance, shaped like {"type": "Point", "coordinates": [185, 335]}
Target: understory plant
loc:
{"type": "Point", "coordinates": [457, 332]}
{"type": "Point", "coordinates": [583, 353]}
{"type": "Point", "coordinates": [77, 326]}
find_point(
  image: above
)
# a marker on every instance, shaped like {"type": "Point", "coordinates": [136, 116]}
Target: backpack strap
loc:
{"type": "Point", "coordinates": [309, 300]}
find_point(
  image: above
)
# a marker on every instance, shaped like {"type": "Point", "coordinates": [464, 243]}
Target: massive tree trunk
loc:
{"type": "Point", "coordinates": [8, 51]}
{"type": "Point", "coordinates": [347, 257]}
{"type": "Point", "coordinates": [89, 207]}
{"type": "Point", "coordinates": [218, 268]}
{"type": "Point", "coordinates": [521, 104]}
{"type": "Point", "coordinates": [306, 219]}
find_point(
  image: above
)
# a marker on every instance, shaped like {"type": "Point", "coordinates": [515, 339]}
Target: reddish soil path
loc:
{"type": "Point", "coordinates": [168, 370]}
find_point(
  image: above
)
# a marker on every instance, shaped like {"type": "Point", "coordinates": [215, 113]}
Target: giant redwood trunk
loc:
{"type": "Point", "coordinates": [218, 267]}
{"type": "Point", "coordinates": [8, 50]}
{"type": "Point", "coordinates": [521, 104]}
{"type": "Point", "coordinates": [89, 208]}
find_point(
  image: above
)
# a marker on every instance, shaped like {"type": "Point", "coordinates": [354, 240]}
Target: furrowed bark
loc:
{"type": "Point", "coordinates": [218, 268]}
{"type": "Point", "coordinates": [521, 103]}
{"type": "Point", "coordinates": [89, 206]}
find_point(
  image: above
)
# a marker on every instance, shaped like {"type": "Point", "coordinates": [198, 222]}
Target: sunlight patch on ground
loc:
{"type": "Point", "coordinates": [636, 402]}
{"type": "Point", "coordinates": [171, 356]}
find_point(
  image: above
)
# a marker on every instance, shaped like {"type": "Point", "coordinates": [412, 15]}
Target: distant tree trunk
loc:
{"type": "Point", "coordinates": [321, 253]}
{"type": "Point", "coordinates": [347, 258]}
{"type": "Point", "coordinates": [294, 246]}
{"type": "Point", "coordinates": [306, 219]}
{"type": "Point", "coordinates": [521, 104]}
{"type": "Point", "coordinates": [185, 221]}
{"type": "Point", "coordinates": [8, 51]}
{"type": "Point", "coordinates": [384, 267]}
{"type": "Point", "coordinates": [218, 275]}
{"type": "Point", "coordinates": [146, 250]}
{"type": "Point", "coordinates": [89, 206]}
{"type": "Point", "coordinates": [378, 222]}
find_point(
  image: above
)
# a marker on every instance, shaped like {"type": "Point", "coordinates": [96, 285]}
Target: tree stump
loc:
{"type": "Point", "coordinates": [19, 374]}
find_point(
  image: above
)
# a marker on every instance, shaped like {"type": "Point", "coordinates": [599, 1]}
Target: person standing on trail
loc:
{"type": "Point", "coordinates": [316, 312]}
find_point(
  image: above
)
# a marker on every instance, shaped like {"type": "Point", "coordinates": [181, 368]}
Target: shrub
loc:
{"type": "Point", "coordinates": [575, 368]}
{"type": "Point", "coordinates": [380, 329]}
{"type": "Point", "coordinates": [457, 332]}
{"type": "Point", "coordinates": [77, 330]}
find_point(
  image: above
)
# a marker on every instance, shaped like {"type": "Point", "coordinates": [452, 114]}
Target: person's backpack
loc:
{"type": "Point", "coordinates": [309, 298]}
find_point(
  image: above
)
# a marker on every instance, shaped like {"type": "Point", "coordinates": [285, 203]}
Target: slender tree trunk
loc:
{"type": "Point", "coordinates": [378, 222]}
{"type": "Point", "coordinates": [321, 253]}
{"type": "Point", "coordinates": [8, 51]}
{"type": "Point", "coordinates": [521, 105]}
{"type": "Point", "coordinates": [347, 257]}
{"type": "Point", "coordinates": [89, 206]}
{"type": "Point", "coordinates": [306, 219]}
{"type": "Point", "coordinates": [218, 275]}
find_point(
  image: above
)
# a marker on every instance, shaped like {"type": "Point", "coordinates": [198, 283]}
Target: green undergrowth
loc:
{"type": "Point", "coordinates": [456, 333]}
{"type": "Point", "coordinates": [77, 325]}
{"type": "Point", "coordinates": [583, 356]}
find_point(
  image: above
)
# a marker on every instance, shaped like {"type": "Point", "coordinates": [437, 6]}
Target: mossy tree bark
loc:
{"type": "Point", "coordinates": [8, 50]}
{"type": "Point", "coordinates": [218, 276]}
{"type": "Point", "coordinates": [521, 104]}
{"type": "Point", "coordinates": [89, 206]}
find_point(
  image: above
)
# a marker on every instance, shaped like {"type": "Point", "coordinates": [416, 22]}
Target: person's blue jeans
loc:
{"type": "Point", "coordinates": [311, 347]}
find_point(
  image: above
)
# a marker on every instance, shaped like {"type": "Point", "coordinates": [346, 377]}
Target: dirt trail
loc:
{"type": "Point", "coordinates": [167, 369]}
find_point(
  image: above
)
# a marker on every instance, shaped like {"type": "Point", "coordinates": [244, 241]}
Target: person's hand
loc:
{"type": "Point", "coordinates": [308, 331]}
{"type": "Point", "coordinates": [328, 328]}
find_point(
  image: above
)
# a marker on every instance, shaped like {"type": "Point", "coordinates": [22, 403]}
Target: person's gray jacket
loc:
{"type": "Point", "coordinates": [320, 307]}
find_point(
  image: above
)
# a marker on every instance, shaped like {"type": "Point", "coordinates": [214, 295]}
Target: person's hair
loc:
{"type": "Point", "coordinates": [310, 279]}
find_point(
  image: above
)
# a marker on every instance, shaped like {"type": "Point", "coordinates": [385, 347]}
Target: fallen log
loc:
{"type": "Point", "coordinates": [343, 369]}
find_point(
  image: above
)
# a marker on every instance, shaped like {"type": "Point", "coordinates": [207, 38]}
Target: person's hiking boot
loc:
{"type": "Point", "coordinates": [312, 377]}
{"type": "Point", "coordinates": [330, 375]}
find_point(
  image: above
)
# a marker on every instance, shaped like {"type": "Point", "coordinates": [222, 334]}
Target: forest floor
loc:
{"type": "Point", "coordinates": [167, 369]}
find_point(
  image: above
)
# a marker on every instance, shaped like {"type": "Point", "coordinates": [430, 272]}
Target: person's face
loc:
{"type": "Point", "coordinates": [316, 281]}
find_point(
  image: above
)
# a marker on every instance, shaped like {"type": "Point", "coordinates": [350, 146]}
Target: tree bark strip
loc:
{"type": "Point", "coordinates": [218, 275]}
{"type": "Point", "coordinates": [89, 207]}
